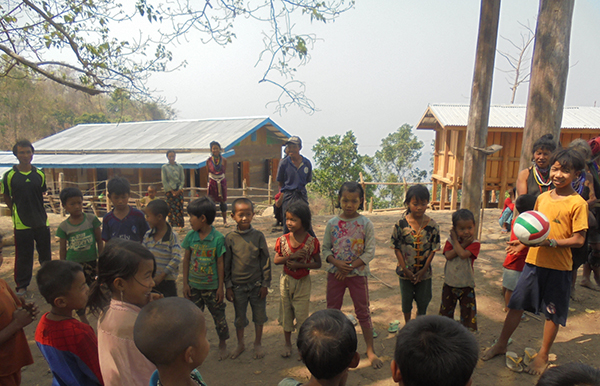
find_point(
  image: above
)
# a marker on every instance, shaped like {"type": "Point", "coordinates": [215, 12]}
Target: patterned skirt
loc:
{"type": "Point", "coordinates": [175, 209]}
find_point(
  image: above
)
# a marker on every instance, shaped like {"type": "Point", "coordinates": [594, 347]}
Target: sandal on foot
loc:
{"type": "Point", "coordinates": [529, 356]}
{"type": "Point", "coordinates": [394, 326]}
{"type": "Point", "coordinates": [513, 362]}
{"type": "Point", "coordinates": [375, 334]}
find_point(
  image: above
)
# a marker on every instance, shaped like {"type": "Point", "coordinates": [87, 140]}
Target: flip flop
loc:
{"type": "Point", "coordinates": [352, 319]}
{"type": "Point", "coordinates": [513, 362]}
{"type": "Point", "coordinates": [529, 356]}
{"type": "Point", "coordinates": [375, 334]}
{"type": "Point", "coordinates": [394, 326]}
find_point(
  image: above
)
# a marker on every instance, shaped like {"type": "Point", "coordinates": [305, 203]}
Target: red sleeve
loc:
{"type": "Point", "coordinates": [278, 246]}
{"type": "Point", "coordinates": [447, 247]}
{"type": "Point", "coordinates": [87, 348]}
{"type": "Point", "coordinates": [474, 248]}
{"type": "Point", "coordinates": [317, 246]}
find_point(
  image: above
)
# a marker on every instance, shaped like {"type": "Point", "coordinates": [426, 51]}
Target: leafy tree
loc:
{"type": "Point", "coordinates": [101, 61]}
{"type": "Point", "coordinates": [336, 161]}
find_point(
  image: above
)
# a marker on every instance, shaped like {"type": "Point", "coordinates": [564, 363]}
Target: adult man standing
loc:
{"type": "Point", "coordinates": [23, 187]}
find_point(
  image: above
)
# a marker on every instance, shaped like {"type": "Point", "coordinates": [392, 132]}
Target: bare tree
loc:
{"type": "Point", "coordinates": [520, 63]}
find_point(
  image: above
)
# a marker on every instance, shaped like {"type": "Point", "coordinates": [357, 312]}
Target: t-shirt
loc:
{"type": "Point", "coordinates": [81, 240]}
{"type": "Point", "coordinates": [26, 190]}
{"type": "Point", "coordinates": [284, 248]}
{"type": "Point", "coordinates": [247, 258]}
{"type": "Point", "coordinates": [14, 352]}
{"type": "Point", "coordinates": [458, 272]}
{"type": "Point", "coordinates": [567, 215]}
{"type": "Point", "coordinates": [166, 251]}
{"type": "Point", "coordinates": [71, 350]}
{"type": "Point", "coordinates": [292, 177]}
{"type": "Point", "coordinates": [203, 273]}
{"type": "Point", "coordinates": [132, 227]}
{"type": "Point", "coordinates": [515, 262]}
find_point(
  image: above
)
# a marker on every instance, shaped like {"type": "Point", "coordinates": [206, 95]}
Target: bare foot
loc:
{"type": "Point", "coordinates": [574, 296]}
{"type": "Point", "coordinates": [376, 363]}
{"type": "Point", "coordinates": [287, 351]}
{"type": "Point", "coordinates": [259, 352]}
{"type": "Point", "coordinates": [590, 285]}
{"type": "Point", "coordinates": [538, 366]}
{"type": "Point", "coordinates": [238, 350]}
{"type": "Point", "coordinates": [223, 353]}
{"type": "Point", "coordinates": [493, 351]}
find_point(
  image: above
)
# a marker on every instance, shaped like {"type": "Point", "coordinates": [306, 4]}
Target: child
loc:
{"type": "Point", "coordinates": [125, 271]}
{"type": "Point", "coordinates": [14, 349]}
{"type": "Point", "coordinates": [459, 279]}
{"type": "Point", "coordinates": [175, 345]}
{"type": "Point", "coordinates": [327, 344]}
{"type": "Point", "coordinates": [150, 196]}
{"type": "Point", "coordinates": [415, 239]}
{"type": "Point", "coordinates": [506, 217]}
{"type": "Point", "coordinates": [123, 221]}
{"type": "Point", "coordinates": [570, 374]}
{"type": "Point", "coordinates": [546, 279]}
{"type": "Point", "coordinates": [434, 350]}
{"type": "Point", "coordinates": [349, 246]}
{"type": "Point", "coordinates": [203, 274]}
{"type": "Point", "coordinates": [69, 346]}
{"type": "Point", "coordinates": [515, 254]}
{"type": "Point", "coordinates": [164, 245]}
{"type": "Point", "coordinates": [299, 251]}
{"type": "Point", "coordinates": [80, 237]}
{"type": "Point", "coordinates": [247, 274]}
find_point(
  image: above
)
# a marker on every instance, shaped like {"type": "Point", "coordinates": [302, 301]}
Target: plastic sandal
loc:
{"type": "Point", "coordinates": [529, 356]}
{"type": "Point", "coordinates": [513, 362]}
{"type": "Point", "coordinates": [394, 326]}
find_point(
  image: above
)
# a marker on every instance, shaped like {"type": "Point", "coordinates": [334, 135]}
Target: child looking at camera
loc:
{"type": "Point", "coordinates": [299, 252]}
{"type": "Point", "coordinates": [123, 221]}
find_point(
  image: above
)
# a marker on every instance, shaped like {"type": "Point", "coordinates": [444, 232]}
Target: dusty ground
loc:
{"type": "Point", "coordinates": [579, 341]}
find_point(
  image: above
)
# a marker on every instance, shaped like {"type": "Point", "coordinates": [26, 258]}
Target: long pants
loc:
{"type": "Point", "coordinates": [24, 243]}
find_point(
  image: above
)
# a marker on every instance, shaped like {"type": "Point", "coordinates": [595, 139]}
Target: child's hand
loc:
{"type": "Point", "coordinates": [453, 235]}
{"type": "Point", "coordinates": [32, 309]}
{"type": "Point", "coordinates": [344, 267]}
{"type": "Point", "coordinates": [408, 274]}
{"type": "Point", "coordinates": [187, 292]}
{"type": "Point", "coordinates": [264, 291]}
{"type": "Point", "coordinates": [229, 294]}
{"type": "Point", "coordinates": [340, 276]}
{"type": "Point", "coordinates": [467, 242]}
{"type": "Point", "coordinates": [298, 255]}
{"type": "Point", "coordinates": [418, 276]}
{"type": "Point", "coordinates": [22, 317]}
{"type": "Point", "coordinates": [514, 243]}
{"type": "Point", "coordinates": [155, 296]}
{"type": "Point", "coordinates": [220, 295]}
{"type": "Point", "coordinates": [513, 249]}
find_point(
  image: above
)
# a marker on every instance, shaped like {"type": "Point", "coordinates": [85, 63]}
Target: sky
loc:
{"type": "Point", "coordinates": [375, 68]}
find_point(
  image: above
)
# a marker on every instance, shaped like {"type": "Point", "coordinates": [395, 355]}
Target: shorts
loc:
{"type": "Point", "coordinates": [510, 278]}
{"type": "Point", "coordinates": [543, 289]}
{"type": "Point", "coordinates": [465, 296]}
{"type": "Point", "coordinates": [420, 293]}
{"type": "Point", "coordinates": [594, 258]}
{"type": "Point", "coordinates": [593, 236]}
{"type": "Point", "coordinates": [580, 256]}
{"type": "Point", "coordinates": [294, 301]}
{"type": "Point", "coordinates": [208, 298]}
{"type": "Point", "coordinates": [244, 294]}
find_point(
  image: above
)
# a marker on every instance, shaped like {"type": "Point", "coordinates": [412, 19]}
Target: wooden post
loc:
{"type": "Point", "coordinates": [364, 186]}
{"type": "Point", "coordinates": [454, 196]}
{"type": "Point", "coordinates": [444, 196]}
{"type": "Point", "coordinates": [61, 178]}
{"type": "Point", "coordinates": [549, 70]}
{"type": "Point", "coordinates": [479, 110]}
{"type": "Point", "coordinates": [140, 182]}
{"type": "Point", "coordinates": [95, 182]}
{"type": "Point", "coordinates": [371, 205]}
{"type": "Point", "coordinates": [269, 192]}
{"type": "Point", "coordinates": [244, 188]}
{"type": "Point", "coordinates": [107, 202]}
{"type": "Point", "coordinates": [405, 189]}
{"type": "Point", "coordinates": [504, 173]}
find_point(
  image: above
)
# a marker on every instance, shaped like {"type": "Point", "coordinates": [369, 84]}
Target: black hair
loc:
{"type": "Point", "coordinates": [570, 374]}
{"type": "Point", "coordinates": [170, 151]}
{"type": "Point", "coordinates": [352, 187]}
{"type": "Point", "coordinates": [120, 259]}
{"type": "Point", "coordinates": [163, 338]}
{"type": "Point", "coordinates": [213, 143]}
{"type": "Point", "coordinates": [327, 343]}
{"type": "Point", "coordinates": [583, 147]}
{"type": "Point", "coordinates": [302, 211]}
{"type": "Point", "coordinates": [118, 185]}
{"type": "Point", "coordinates": [242, 200]}
{"type": "Point", "coordinates": [525, 202]}
{"type": "Point", "coordinates": [462, 215]}
{"type": "Point", "coordinates": [70, 192]}
{"type": "Point", "coordinates": [203, 206]}
{"type": "Point", "coordinates": [568, 158]}
{"type": "Point", "coordinates": [419, 192]}
{"type": "Point", "coordinates": [22, 143]}
{"type": "Point", "coordinates": [55, 278]}
{"type": "Point", "coordinates": [435, 350]}
{"type": "Point", "coordinates": [157, 207]}
{"type": "Point", "coordinates": [545, 142]}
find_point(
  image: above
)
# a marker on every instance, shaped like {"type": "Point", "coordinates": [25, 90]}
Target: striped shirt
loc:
{"type": "Point", "coordinates": [166, 251]}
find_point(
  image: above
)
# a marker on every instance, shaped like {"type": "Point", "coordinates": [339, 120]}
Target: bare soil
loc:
{"type": "Point", "coordinates": [578, 341]}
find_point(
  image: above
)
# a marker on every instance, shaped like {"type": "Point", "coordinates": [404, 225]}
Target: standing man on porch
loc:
{"type": "Point", "coordinates": [23, 187]}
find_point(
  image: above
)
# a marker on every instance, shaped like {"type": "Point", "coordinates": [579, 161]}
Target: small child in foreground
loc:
{"type": "Point", "coordinates": [570, 374]}
{"type": "Point", "coordinates": [123, 221]}
{"type": "Point", "coordinates": [69, 346]}
{"type": "Point", "coordinates": [327, 344]}
{"type": "Point", "coordinates": [460, 251]}
{"type": "Point", "coordinates": [80, 237]}
{"type": "Point", "coordinates": [434, 350]}
{"type": "Point", "coordinates": [175, 345]}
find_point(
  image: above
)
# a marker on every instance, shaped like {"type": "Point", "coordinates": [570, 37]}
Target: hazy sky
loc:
{"type": "Point", "coordinates": [377, 67]}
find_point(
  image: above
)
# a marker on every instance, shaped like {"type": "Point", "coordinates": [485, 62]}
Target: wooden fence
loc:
{"type": "Point", "coordinates": [403, 183]}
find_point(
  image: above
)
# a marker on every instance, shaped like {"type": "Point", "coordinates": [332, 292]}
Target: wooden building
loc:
{"type": "Point", "coordinates": [505, 128]}
{"type": "Point", "coordinates": [91, 153]}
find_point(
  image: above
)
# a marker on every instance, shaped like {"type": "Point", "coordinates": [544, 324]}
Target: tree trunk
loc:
{"type": "Point", "coordinates": [549, 70]}
{"type": "Point", "coordinates": [479, 111]}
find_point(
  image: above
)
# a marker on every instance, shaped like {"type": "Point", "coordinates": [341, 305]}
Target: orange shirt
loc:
{"type": "Point", "coordinates": [14, 353]}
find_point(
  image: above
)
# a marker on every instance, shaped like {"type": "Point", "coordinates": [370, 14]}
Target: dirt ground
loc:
{"type": "Point", "coordinates": [578, 341]}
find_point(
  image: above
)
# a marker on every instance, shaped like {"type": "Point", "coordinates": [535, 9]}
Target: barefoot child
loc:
{"type": "Point", "coordinates": [247, 274]}
{"type": "Point", "coordinates": [69, 346]}
{"type": "Point", "coordinates": [460, 251]}
{"type": "Point", "coordinates": [415, 239]}
{"type": "Point", "coordinates": [80, 237]}
{"type": "Point", "coordinates": [123, 221]}
{"type": "Point", "coordinates": [299, 251]}
{"type": "Point", "coordinates": [203, 273]}
{"type": "Point", "coordinates": [545, 282]}
{"type": "Point", "coordinates": [175, 345]}
{"type": "Point", "coordinates": [349, 246]}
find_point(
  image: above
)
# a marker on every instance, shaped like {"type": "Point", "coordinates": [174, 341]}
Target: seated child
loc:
{"type": "Point", "coordinates": [570, 374]}
{"type": "Point", "coordinates": [515, 254]}
{"type": "Point", "coordinates": [327, 344]}
{"type": "Point", "coordinates": [69, 346]}
{"type": "Point", "coordinates": [460, 251]}
{"type": "Point", "coordinates": [14, 349]}
{"type": "Point", "coordinates": [175, 345]}
{"type": "Point", "coordinates": [80, 237]}
{"type": "Point", "coordinates": [123, 221]}
{"type": "Point", "coordinates": [164, 245]}
{"type": "Point", "coordinates": [434, 350]}
{"type": "Point", "coordinates": [148, 198]}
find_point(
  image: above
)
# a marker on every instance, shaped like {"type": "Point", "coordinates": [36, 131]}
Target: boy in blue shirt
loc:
{"type": "Point", "coordinates": [123, 221]}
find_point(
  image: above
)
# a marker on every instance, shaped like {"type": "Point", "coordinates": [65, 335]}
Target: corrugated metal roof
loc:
{"type": "Point", "coordinates": [507, 116]}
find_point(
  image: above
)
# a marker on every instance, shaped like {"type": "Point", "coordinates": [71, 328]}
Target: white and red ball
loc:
{"type": "Point", "coordinates": [531, 227]}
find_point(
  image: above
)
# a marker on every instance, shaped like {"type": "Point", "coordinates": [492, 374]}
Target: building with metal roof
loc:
{"type": "Point", "coordinates": [505, 128]}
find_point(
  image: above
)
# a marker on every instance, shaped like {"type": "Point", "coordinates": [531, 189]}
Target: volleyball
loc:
{"type": "Point", "coordinates": [531, 227]}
